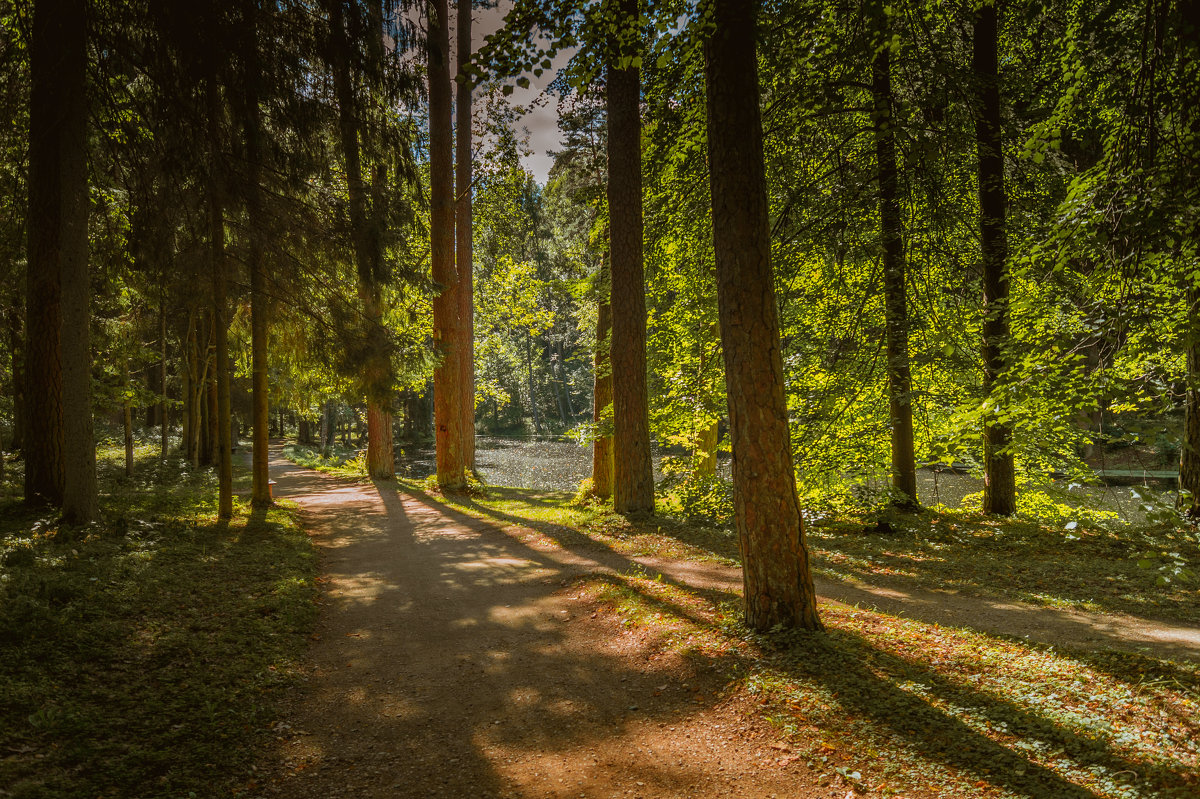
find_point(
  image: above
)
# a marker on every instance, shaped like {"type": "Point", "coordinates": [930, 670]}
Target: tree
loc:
{"type": "Point", "coordinates": [463, 255]}
{"type": "Point", "coordinates": [448, 413]}
{"type": "Point", "coordinates": [251, 112]}
{"type": "Point", "coordinates": [999, 493]}
{"type": "Point", "coordinates": [904, 468]}
{"type": "Point", "coordinates": [61, 459]}
{"type": "Point", "coordinates": [219, 308]}
{"type": "Point", "coordinates": [367, 217]}
{"type": "Point", "coordinates": [633, 474]}
{"type": "Point", "coordinates": [777, 583]}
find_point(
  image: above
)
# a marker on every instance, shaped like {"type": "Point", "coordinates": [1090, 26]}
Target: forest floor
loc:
{"type": "Point", "coordinates": [506, 645]}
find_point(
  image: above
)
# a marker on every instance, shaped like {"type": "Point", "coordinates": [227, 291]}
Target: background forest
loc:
{"type": "Point", "coordinates": [283, 143]}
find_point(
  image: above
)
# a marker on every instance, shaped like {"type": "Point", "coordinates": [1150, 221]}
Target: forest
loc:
{"type": "Point", "coordinates": [841, 370]}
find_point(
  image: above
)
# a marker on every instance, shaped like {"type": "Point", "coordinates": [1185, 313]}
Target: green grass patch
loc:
{"type": "Point", "coordinates": [145, 655]}
{"type": "Point", "coordinates": [1131, 570]}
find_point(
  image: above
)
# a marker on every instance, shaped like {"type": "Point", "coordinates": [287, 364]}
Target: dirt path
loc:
{"type": "Point", "coordinates": [457, 660]}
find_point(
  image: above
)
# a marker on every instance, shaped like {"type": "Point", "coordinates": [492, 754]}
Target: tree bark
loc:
{"type": "Point", "coordinates": [79, 441]}
{"type": "Point", "coordinates": [537, 422]}
{"type": "Point", "coordinates": [999, 487]}
{"type": "Point", "coordinates": [775, 565]}
{"type": "Point", "coordinates": [216, 243]}
{"type": "Point", "coordinates": [705, 456]}
{"type": "Point", "coordinates": [602, 392]}
{"type": "Point", "coordinates": [163, 415]}
{"type": "Point", "coordinates": [260, 491]}
{"type": "Point", "coordinates": [633, 474]}
{"type": "Point", "coordinates": [57, 36]}
{"type": "Point", "coordinates": [448, 411]}
{"type": "Point", "coordinates": [463, 232]}
{"type": "Point", "coordinates": [904, 466]}
{"type": "Point", "coordinates": [16, 349]}
{"type": "Point", "coordinates": [1189, 455]}
{"type": "Point", "coordinates": [127, 419]}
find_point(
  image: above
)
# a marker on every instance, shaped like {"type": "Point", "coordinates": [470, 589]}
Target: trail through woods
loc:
{"type": "Point", "coordinates": [455, 658]}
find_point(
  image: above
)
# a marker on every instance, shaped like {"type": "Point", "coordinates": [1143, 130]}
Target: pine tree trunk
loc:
{"type": "Point", "coordinates": [57, 36]}
{"type": "Point", "coordinates": [706, 450]}
{"type": "Point", "coordinates": [80, 504]}
{"type": "Point", "coordinates": [904, 466]}
{"type": "Point", "coordinates": [163, 414]}
{"type": "Point", "coordinates": [216, 243]}
{"type": "Point", "coordinates": [1189, 455]}
{"type": "Point", "coordinates": [260, 491]}
{"type": "Point", "coordinates": [633, 475]}
{"type": "Point", "coordinates": [463, 232]}
{"type": "Point", "coordinates": [705, 456]}
{"type": "Point", "coordinates": [775, 565]}
{"type": "Point", "coordinates": [447, 405]}
{"type": "Point", "coordinates": [537, 421]}
{"type": "Point", "coordinates": [999, 488]}
{"type": "Point", "coordinates": [602, 387]}
{"type": "Point", "coordinates": [16, 348]}
{"type": "Point", "coordinates": [127, 419]}
{"type": "Point", "coordinates": [188, 370]}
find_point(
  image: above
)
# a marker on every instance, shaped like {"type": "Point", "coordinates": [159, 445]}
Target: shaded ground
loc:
{"type": "Point", "coordinates": [458, 657]}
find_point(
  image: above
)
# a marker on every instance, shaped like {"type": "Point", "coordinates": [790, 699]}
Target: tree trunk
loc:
{"type": "Point", "coordinates": [216, 243]}
{"type": "Point", "coordinates": [448, 394]}
{"type": "Point", "coordinates": [16, 348]}
{"type": "Point", "coordinates": [208, 393]}
{"type": "Point", "coordinates": [633, 478]}
{"type": "Point", "coordinates": [537, 422]}
{"type": "Point", "coordinates": [1189, 455]}
{"type": "Point", "coordinates": [999, 486]}
{"type": "Point", "coordinates": [127, 418]}
{"type": "Point", "coordinates": [163, 415]}
{"type": "Point", "coordinates": [602, 388]}
{"type": "Point", "coordinates": [706, 449]}
{"type": "Point", "coordinates": [463, 232]}
{"type": "Point", "coordinates": [904, 466]}
{"type": "Point", "coordinates": [260, 492]}
{"type": "Point", "coordinates": [55, 103]}
{"type": "Point", "coordinates": [79, 440]}
{"type": "Point", "coordinates": [705, 456]}
{"type": "Point", "coordinates": [188, 370]}
{"type": "Point", "coordinates": [775, 567]}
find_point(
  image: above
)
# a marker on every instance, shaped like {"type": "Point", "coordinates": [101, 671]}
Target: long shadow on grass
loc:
{"type": "Point", "coordinates": [579, 544]}
{"type": "Point", "coordinates": [865, 680]}
{"type": "Point", "coordinates": [897, 597]}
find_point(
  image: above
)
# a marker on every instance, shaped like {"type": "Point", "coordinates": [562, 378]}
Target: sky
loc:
{"type": "Point", "coordinates": [542, 119]}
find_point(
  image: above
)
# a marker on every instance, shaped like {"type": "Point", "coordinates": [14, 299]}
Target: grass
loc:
{"type": "Point", "coordinates": [1087, 568]}
{"type": "Point", "coordinates": [887, 706]}
{"type": "Point", "coordinates": [144, 656]}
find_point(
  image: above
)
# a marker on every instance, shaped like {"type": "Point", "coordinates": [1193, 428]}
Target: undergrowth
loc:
{"type": "Point", "coordinates": [336, 460]}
